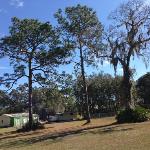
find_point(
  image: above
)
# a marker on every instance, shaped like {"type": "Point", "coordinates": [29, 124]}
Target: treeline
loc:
{"type": "Point", "coordinates": [36, 50]}
{"type": "Point", "coordinates": [46, 101]}
{"type": "Point", "coordinates": [103, 93]}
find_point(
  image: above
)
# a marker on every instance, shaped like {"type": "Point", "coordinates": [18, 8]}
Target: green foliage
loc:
{"type": "Point", "coordinates": [128, 35]}
{"type": "Point", "coordinates": [134, 93]}
{"type": "Point", "coordinates": [34, 50]}
{"type": "Point", "coordinates": [143, 88]}
{"type": "Point", "coordinates": [32, 42]}
{"type": "Point", "coordinates": [78, 117]}
{"type": "Point", "coordinates": [139, 114]}
{"type": "Point", "coordinates": [53, 100]}
{"type": "Point", "coordinates": [103, 93]}
{"type": "Point", "coordinates": [49, 99]}
{"type": "Point", "coordinates": [80, 26]}
{"type": "Point", "coordinates": [4, 102]}
{"type": "Point", "coordinates": [4, 99]}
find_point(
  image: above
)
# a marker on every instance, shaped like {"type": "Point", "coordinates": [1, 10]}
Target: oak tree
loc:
{"type": "Point", "coordinates": [128, 37]}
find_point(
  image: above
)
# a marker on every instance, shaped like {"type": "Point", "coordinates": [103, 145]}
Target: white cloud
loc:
{"type": "Point", "coordinates": [17, 3]}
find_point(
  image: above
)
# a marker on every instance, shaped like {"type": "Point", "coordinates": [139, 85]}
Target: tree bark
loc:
{"type": "Point", "coordinates": [85, 92]}
{"type": "Point", "coordinates": [30, 94]}
{"type": "Point", "coordinates": [126, 89]}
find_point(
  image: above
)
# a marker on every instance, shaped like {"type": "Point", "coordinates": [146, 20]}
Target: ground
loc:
{"type": "Point", "coordinates": [101, 134]}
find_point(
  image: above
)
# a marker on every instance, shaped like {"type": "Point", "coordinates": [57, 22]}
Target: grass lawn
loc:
{"type": "Point", "coordinates": [101, 134]}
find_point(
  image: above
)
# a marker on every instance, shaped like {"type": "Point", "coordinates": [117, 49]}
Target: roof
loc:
{"type": "Point", "coordinates": [18, 115]}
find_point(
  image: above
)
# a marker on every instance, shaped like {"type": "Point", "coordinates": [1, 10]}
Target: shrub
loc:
{"type": "Point", "coordinates": [35, 126]}
{"type": "Point", "coordinates": [139, 114]}
{"type": "Point", "coordinates": [78, 117]}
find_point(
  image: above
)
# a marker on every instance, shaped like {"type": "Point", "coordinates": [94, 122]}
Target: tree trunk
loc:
{"type": "Point", "coordinates": [126, 89]}
{"type": "Point", "coordinates": [30, 95]}
{"type": "Point", "coordinates": [85, 93]}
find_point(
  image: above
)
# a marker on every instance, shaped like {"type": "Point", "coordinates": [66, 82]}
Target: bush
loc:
{"type": "Point", "coordinates": [35, 126]}
{"type": "Point", "coordinates": [139, 114]}
{"type": "Point", "coordinates": [78, 117]}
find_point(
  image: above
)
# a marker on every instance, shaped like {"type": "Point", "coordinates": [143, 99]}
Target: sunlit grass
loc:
{"type": "Point", "coordinates": [101, 134]}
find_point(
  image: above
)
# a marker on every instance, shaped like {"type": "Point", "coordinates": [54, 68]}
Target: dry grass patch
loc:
{"type": "Point", "coordinates": [100, 134]}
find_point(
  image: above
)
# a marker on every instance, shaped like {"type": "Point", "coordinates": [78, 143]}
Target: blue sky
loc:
{"type": "Point", "coordinates": [44, 10]}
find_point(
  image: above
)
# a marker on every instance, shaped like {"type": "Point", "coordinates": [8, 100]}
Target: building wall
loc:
{"type": "Point", "coordinates": [21, 121]}
{"type": "Point", "coordinates": [16, 121]}
{"type": "Point", "coordinates": [4, 121]}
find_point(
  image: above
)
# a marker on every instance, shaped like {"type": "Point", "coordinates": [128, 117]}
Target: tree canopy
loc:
{"type": "Point", "coordinates": [143, 88]}
{"type": "Point", "coordinates": [35, 50]}
{"type": "Point", "coordinates": [128, 37]}
{"type": "Point", "coordinates": [81, 27]}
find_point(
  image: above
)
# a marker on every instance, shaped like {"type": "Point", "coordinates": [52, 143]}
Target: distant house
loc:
{"type": "Point", "coordinates": [16, 120]}
{"type": "Point", "coordinates": [66, 116]}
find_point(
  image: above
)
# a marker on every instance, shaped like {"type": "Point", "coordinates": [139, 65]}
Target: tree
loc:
{"type": "Point", "coordinates": [127, 38]}
{"type": "Point", "coordinates": [4, 102]}
{"type": "Point", "coordinates": [117, 90]}
{"type": "Point", "coordinates": [100, 92]}
{"type": "Point", "coordinates": [34, 50]}
{"type": "Point", "coordinates": [81, 27]}
{"type": "Point", "coordinates": [18, 99]}
{"type": "Point", "coordinates": [48, 101]}
{"type": "Point", "coordinates": [143, 88]}
{"type": "Point", "coordinates": [66, 89]}
{"type": "Point", "coordinates": [103, 93]}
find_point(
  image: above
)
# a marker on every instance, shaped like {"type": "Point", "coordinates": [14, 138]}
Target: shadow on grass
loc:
{"type": "Point", "coordinates": [15, 134]}
{"type": "Point", "coordinates": [109, 130]}
{"type": "Point", "coordinates": [58, 136]}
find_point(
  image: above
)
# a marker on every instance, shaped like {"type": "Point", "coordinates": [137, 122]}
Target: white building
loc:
{"type": "Point", "coordinates": [5, 120]}
{"type": "Point", "coordinates": [16, 120]}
